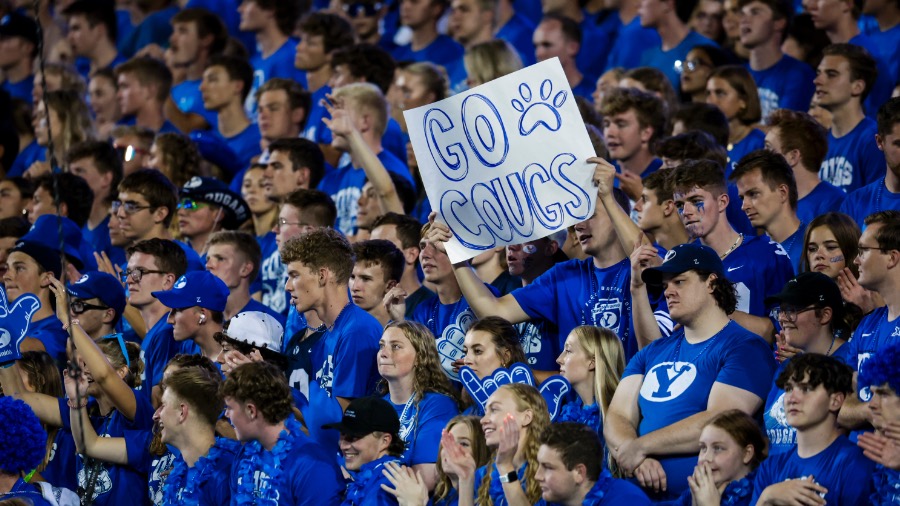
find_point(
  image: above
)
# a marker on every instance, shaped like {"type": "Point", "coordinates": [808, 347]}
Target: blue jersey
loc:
{"type": "Point", "coordinates": [20, 89]}
{"type": "Point", "coordinates": [156, 28]}
{"type": "Point", "coordinates": [887, 41]}
{"type": "Point", "coordinates": [678, 377]}
{"type": "Point", "coordinates": [853, 160]}
{"type": "Point", "coordinates": [421, 425]}
{"type": "Point", "coordinates": [786, 85]}
{"type": "Point", "coordinates": [609, 491]}
{"type": "Point", "coordinates": [885, 486]}
{"type": "Point", "coordinates": [27, 492]}
{"type": "Point", "coordinates": [155, 467]}
{"type": "Point", "coordinates": [207, 480]}
{"type": "Point", "coordinates": [873, 334]}
{"type": "Point", "coordinates": [518, 31]}
{"type": "Point", "coordinates": [61, 469]}
{"type": "Point", "coordinates": [443, 51]}
{"type": "Point", "coordinates": [295, 322]}
{"type": "Point", "coordinates": [365, 489]}
{"type": "Point", "coordinates": [278, 64]}
{"type": "Point", "coordinates": [595, 46]}
{"type": "Point", "coordinates": [255, 305]}
{"type": "Point", "coordinates": [629, 47]}
{"type": "Point", "coordinates": [307, 476]}
{"type": "Point", "coordinates": [273, 275]}
{"type": "Point", "coordinates": [31, 153]}
{"type": "Point", "coordinates": [841, 468]}
{"type": "Point", "coordinates": [50, 333]}
{"type": "Point", "coordinates": [298, 352]}
{"type": "Point", "coordinates": [885, 60]}
{"type": "Point", "coordinates": [755, 139]}
{"type": "Point", "coordinates": [823, 198]}
{"type": "Point", "coordinates": [870, 199]}
{"type": "Point", "coordinates": [188, 99]}
{"type": "Point", "coordinates": [113, 484]}
{"type": "Point", "coordinates": [759, 267]}
{"type": "Point", "coordinates": [577, 293]}
{"type": "Point", "coordinates": [793, 245]}
{"type": "Point", "coordinates": [665, 61]}
{"type": "Point", "coordinates": [157, 348]}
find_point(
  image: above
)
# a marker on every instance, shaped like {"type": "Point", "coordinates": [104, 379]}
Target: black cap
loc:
{"type": "Point", "coordinates": [683, 258]}
{"type": "Point", "coordinates": [366, 415]}
{"type": "Point", "coordinates": [207, 189]}
{"type": "Point", "coordinates": [810, 289]}
{"type": "Point", "coordinates": [17, 25]}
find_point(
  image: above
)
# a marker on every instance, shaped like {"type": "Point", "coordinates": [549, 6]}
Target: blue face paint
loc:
{"type": "Point", "coordinates": [835, 260]}
{"type": "Point", "coordinates": [700, 207]}
{"type": "Point", "coordinates": [529, 249]}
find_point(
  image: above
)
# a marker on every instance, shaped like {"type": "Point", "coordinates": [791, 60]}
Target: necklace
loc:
{"type": "Point", "coordinates": [833, 337]}
{"type": "Point", "coordinates": [329, 329]}
{"type": "Point", "coordinates": [790, 244]}
{"type": "Point", "coordinates": [709, 342]}
{"type": "Point", "coordinates": [259, 477]}
{"type": "Point", "coordinates": [408, 422]}
{"type": "Point", "coordinates": [737, 242]}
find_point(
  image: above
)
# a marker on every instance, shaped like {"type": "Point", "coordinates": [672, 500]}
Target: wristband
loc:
{"type": "Point", "coordinates": [7, 365]}
{"type": "Point", "coordinates": [72, 405]}
{"type": "Point", "coordinates": [510, 477]}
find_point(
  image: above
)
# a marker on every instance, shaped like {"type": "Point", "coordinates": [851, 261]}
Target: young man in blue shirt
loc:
{"type": "Point", "coordinates": [206, 206]}
{"type": "Point", "coordinates": [224, 87]}
{"type": "Point", "coordinates": [97, 299]}
{"type": "Point", "coordinates": [824, 466]}
{"type": "Point", "coordinates": [293, 163]}
{"type": "Point", "coordinates": [783, 82]}
{"type": "Point", "coordinates": [144, 85]}
{"type": "Point", "coordinates": [882, 194]}
{"type": "Point", "coordinates": [379, 265]}
{"type": "Point", "coordinates": [92, 35]}
{"type": "Point", "coordinates": [677, 383]}
{"type": "Point", "coordinates": [803, 142]}
{"type": "Point", "coordinates": [197, 301]}
{"type": "Point", "coordinates": [426, 44]}
{"type": "Point", "coordinates": [632, 38]}
{"type": "Point", "coordinates": [197, 35]}
{"type": "Point", "coordinates": [283, 108]}
{"type": "Point", "coordinates": [669, 19]}
{"type": "Point", "coordinates": [560, 37]}
{"type": "Point", "coordinates": [405, 232]}
{"type": "Point", "coordinates": [596, 38]}
{"type": "Point", "coordinates": [18, 48]}
{"type": "Point", "coordinates": [843, 81]}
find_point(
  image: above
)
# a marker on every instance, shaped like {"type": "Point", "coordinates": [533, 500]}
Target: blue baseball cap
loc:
{"type": "Point", "coordinates": [196, 288]}
{"type": "Point", "coordinates": [216, 151]}
{"type": "Point", "coordinates": [213, 191]}
{"type": "Point", "coordinates": [100, 285]}
{"type": "Point", "coordinates": [42, 243]}
{"type": "Point", "coordinates": [683, 258]}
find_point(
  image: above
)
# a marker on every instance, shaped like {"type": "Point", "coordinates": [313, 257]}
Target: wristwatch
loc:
{"type": "Point", "coordinates": [510, 477]}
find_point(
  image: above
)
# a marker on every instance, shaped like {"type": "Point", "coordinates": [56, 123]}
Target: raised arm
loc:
{"type": "Point", "coordinates": [646, 329]}
{"type": "Point", "coordinates": [44, 406]}
{"type": "Point", "coordinates": [87, 442]}
{"type": "Point", "coordinates": [627, 230]}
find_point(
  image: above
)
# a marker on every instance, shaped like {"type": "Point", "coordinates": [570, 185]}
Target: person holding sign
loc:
{"type": "Point", "coordinates": [671, 388]}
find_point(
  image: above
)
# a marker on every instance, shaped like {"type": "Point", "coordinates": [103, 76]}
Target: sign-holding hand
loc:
{"type": "Point", "coordinates": [14, 322]}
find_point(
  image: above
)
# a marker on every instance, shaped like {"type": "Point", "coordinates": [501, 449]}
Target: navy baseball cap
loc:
{"type": "Point", "coordinates": [810, 289]}
{"type": "Point", "coordinates": [18, 25]}
{"type": "Point", "coordinates": [213, 191]}
{"type": "Point", "coordinates": [365, 415]}
{"type": "Point", "coordinates": [683, 258]}
{"type": "Point", "coordinates": [196, 288]}
{"type": "Point", "coordinates": [96, 284]}
{"type": "Point", "coordinates": [216, 151]}
{"type": "Point", "coordinates": [42, 243]}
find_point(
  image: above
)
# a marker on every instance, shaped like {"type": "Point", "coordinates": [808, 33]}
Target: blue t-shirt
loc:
{"type": "Point", "coordinates": [885, 486]}
{"type": "Point", "coordinates": [585, 88]}
{"type": "Point", "coordinates": [609, 491]}
{"type": "Point", "coordinates": [114, 484]}
{"type": "Point", "coordinates": [308, 475]}
{"type": "Point", "coordinates": [841, 468]}
{"type": "Point", "coordinates": [21, 89]}
{"type": "Point", "coordinates": [629, 47]}
{"type": "Point", "coordinates": [853, 160]}
{"type": "Point", "coordinates": [62, 467]}
{"type": "Point", "coordinates": [823, 198]}
{"type": "Point", "coordinates": [874, 333]}
{"type": "Point", "coordinates": [272, 275]}
{"type": "Point", "coordinates": [278, 64]}
{"type": "Point", "coordinates": [793, 245]}
{"type": "Point", "coordinates": [188, 99]}
{"type": "Point", "coordinates": [394, 140]}
{"type": "Point", "coordinates": [678, 377]}
{"type": "Point", "coordinates": [443, 51]}
{"type": "Point", "coordinates": [870, 199]}
{"type": "Point", "coordinates": [887, 41]}
{"type": "Point", "coordinates": [365, 489]}
{"type": "Point", "coordinates": [50, 333]}
{"type": "Point", "coordinates": [209, 476]}
{"type": "Point", "coordinates": [245, 145]}
{"type": "Point", "coordinates": [577, 293]}
{"type": "Point", "coordinates": [518, 32]}
{"type": "Point", "coordinates": [786, 85]}
{"type": "Point", "coordinates": [755, 139]}
{"type": "Point", "coordinates": [157, 348]}
{"type": "Point", "coordinates": [33, 152]}
{"type": "Point", "coordinates": [665, 60]}
{"type": "Point", "coordinates": [156, 28]}
{"type": "Point", "coordinates": [167, 126]}
{"type": "Point", "coordinates": [759, 267]}
{"type": "Point", "coordinates": [885, 60]}
{"type": "Point", "coordinates": [316, 130]}
{"type": "Point", "coordinates": [155, 467]}
{"type": "Point", "coordinates": [449, 324]}
{"type": "Point", "coordinates": [595, 46]}
{"type": "Point", "coordinates": [421, 425]}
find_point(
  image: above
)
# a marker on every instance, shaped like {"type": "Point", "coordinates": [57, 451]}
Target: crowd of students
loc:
{"type": "Point", "coordinates": [223, 283]}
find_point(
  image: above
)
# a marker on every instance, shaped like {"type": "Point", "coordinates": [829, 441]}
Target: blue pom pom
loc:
{"type": "Point", "coordinates": [23, 441]}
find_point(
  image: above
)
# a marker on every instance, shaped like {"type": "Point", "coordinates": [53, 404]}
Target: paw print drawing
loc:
{"type": "Point", "coordinates": [544, 112]}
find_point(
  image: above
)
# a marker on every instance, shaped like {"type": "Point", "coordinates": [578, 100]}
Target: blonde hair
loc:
{"type": "Point", "coordinates": [368, 97]}
{"type": "Point", "coordinates": [605, 349]}
{"type": "Point", "coordinates": [480, 454]}
{"type": "Point", "coordinates": [526, 398]}
{"type": "Point", "coordinates": [428, 375]}
{"type": "Point", "coordinates": [74, 117]}
{"type": "Point", "coordinates": [489, 60]}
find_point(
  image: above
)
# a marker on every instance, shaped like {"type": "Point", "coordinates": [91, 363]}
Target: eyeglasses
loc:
{"type": "Point", "coordinates": [129, 152]}
{"type": "Point", "coordinates": [79, 307]}
{"type": "Point", "coordinates": [366, 9]}
{"type": "Point", "coordinates": [131, 207]}
{"type": "Point", "coordinates": [689, 65]}
{"type": "Point", "coordinates": [191, 204]}
{"type": "Point", "coordinates": [138, 273]}
{"type": "Point", "coordinates": [789, 314]}
{"type": "Point", "coordinates": [283, 222]}
{"type": "Point", "coordinates": [864, 250]}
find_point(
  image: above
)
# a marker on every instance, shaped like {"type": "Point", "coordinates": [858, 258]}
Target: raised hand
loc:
{"type": "Point", "coordinates": [62, 299]}
{"type": "Point", "coordinates": [438, 233]}
{"type": "Point", "coordinates": [455, 459]}
{"type": "Point", "coordinates": [509, 442]}
{"type": "Point", "coordinates": [852, 291]}
{"type": "Point", "coordinates": [340, 122]}
{"type": "Point", "coordinates": [14, 322]}
{"type": "Point", "coordinates": [881, 448]}
{"type": "Point", "coordinates": [783, 350]}
{"type": "Point", "coordinates": [409, 486]}
{"type": "Point", "coordinates": [642, 256]}
{"type": "Point", "coordinates": [703, 487]}
{"type": "Point", "coordinates": [604, 175]}
{"type": "Point", "coordinates": [395, 303]}
{"type": "Point", "coordinates": [104, 264]}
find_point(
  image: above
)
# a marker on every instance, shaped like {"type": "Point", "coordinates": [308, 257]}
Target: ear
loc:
{"type": "Point", "coordinates": [251, 410]}
{"type": "Point", "coordinates": [835, 401]}
{"type": "Point", "coordinates": [246, 269]}
{"type": "Point", "coordinates": [168, 281]}
{"type": "Point", "coordinates": [857, 87]}
{"type": "Point", "coordinates": [298, 115]}
{"type": "Point", "coordinates": [709, 282]}
{"type": "Point", "coordinates": [324, 276]}
{"type": "Point", "coordinates": [159, 214]}
{"type": "Point", "coordinates": [303, 177]}
{"type": "Point", "coordinates": [723, 201]}
{"type": "Point", "coordinates": [879, 141]}
{"type": "Point", "coordinates": [527, 417]}
{"type": "Point", "coordinates": [551, 248]}
{"type": "Point", "coordinates": [580, 473]}
{"type": "Point", "coordinates": [783, 192]}
{"type": "Point", "coordinates": [749, 452]}
{"type": "Point", "coordinates": [793, 156]}
{"type": "Point", "coordinates": [109, 315]}
{"type": "Point", "coordinates": [411, 255]}
{"type": "Point", "coordinates": [646, 134]}
{"type": "Point", "coordinates": [572, 48]}
{"type": "Point", "coordinates": [184, 408]}
{"type": "Point", "coordinates": [893, 258]}
{"type": "Point", "coordinates": [826, 317]}
{"type": "Point", "coordinates": [669, 208]}
{"type": "Point", "coordinates": [390, 284]}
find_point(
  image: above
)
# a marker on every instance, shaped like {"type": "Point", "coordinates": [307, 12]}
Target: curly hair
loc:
{"type": "Point", "coordinates": [478, 447]}
{"type": "Point", "coordinates": [428, 375]}
{"type": "Point", "coordinates": [111, 348]}
{"type": "Point", "coordinates": [834, 375]}
{"type": "Point", "coordinates": [263, 385]}
{"type": "Point", "coordinates": [74, 117]}
{"type": "Point", "coordinates": [526, 398]}
{"type": "Point", "coordinates": [324, 247]}
{"type": "Point", "coordinates": [23, 441]}
{"type": "Point", "coordinates": [44, 378]}
{"type": "Point", "coordinates": [882, 370]}
{"type": "Point", "coordinates": [180, 157]}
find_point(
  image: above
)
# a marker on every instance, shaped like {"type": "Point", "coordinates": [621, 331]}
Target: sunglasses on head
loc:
{"type": "Point", "coordinates": [191, 204]}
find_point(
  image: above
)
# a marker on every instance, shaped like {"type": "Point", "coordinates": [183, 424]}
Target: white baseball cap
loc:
{"type": "Point", "coordinates": [257, 329]}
